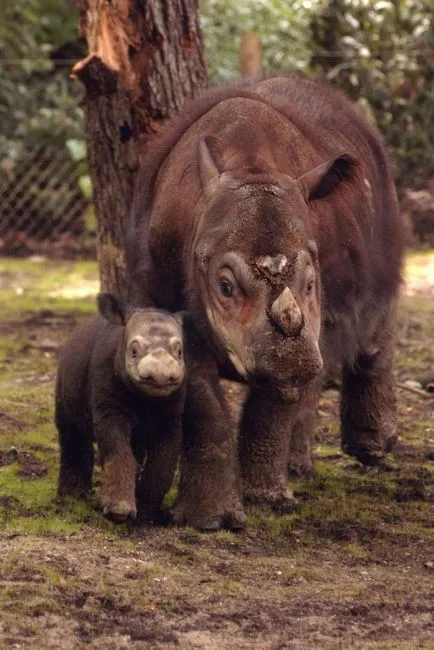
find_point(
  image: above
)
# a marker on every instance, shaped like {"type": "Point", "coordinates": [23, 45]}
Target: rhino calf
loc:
{"type": "Point", "coordinates": [121, 383]}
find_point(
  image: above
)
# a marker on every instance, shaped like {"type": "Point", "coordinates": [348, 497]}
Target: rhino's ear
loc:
{"type": "Point", "coordinates": [324, 179]}
{"type": "Point", "coordinates": [210, 162]}
{"type": "Point", "coordinates": [113, 309]}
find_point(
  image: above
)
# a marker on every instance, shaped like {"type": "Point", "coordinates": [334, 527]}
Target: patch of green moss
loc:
{"type": "Point", "coordinates": [28, 604]}
{"type": "Point", "coordinates": [356, 551]}
{"type": "Point", "coordinates": [30, 493]}
{"type": "Point", "coordinates": [28, 286]}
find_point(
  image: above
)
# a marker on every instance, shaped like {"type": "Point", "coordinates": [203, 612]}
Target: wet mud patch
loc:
{"type": "Point", "coordinates": [29, 466]}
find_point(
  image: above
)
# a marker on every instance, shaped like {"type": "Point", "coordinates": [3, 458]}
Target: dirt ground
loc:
{"type": "Point", "coordinates": [352, 567]}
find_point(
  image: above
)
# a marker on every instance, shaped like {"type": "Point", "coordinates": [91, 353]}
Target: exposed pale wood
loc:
{"type": "Point", "coordinates": [145, 59]}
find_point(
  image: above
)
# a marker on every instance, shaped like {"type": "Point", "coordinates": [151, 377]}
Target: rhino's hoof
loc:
{"type": "Point", "coordinates": [301, 468]}
{"type": "Point", "coordinates": [370, 451]}
{"type": "Point", "coordinates": [120, 511]}
{"type": "Point", "coordinates": [281, 501]}
{"type": "Point", "coordinates": [234, 521]}
{"type": "Point", "coordinates": [212, 526]}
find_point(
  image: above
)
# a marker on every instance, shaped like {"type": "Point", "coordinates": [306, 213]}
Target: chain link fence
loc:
{"type": "Point", "coordinates": [42, 207]}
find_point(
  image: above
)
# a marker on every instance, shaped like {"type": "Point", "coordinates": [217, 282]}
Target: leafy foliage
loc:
{"type": "Point", "coordinates": [381, 53]}
{"type": "Point", "coordinates": [283, 26]}
{"type": "Point", "coordinates": [38, 101]}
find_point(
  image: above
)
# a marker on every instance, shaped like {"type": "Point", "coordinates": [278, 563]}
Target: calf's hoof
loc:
{"type": "Point", "coordinates": [120, 511]}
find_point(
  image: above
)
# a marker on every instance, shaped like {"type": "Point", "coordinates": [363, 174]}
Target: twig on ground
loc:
{"type": "Point", "coordinates": [416, 391]}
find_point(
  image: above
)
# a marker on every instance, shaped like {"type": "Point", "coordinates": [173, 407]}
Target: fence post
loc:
{"type": "Point", "coordinates": [250, 54]}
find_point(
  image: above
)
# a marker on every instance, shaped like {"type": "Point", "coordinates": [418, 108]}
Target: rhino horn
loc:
{"type": "Point", "coordinates": [286, 314]}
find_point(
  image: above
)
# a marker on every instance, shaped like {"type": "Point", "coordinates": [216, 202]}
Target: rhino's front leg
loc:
{"type": "Point", "coordinates": [209, 495]}
{"type": "Point", "coordinates": [300, 442]}
{"type": "Point", "coordinates": [265, 433]}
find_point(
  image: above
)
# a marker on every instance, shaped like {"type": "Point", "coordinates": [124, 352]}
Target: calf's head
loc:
{"type": "Point", "coordinates": [152, 353]}
{"type": "Point", "coordinates": [255, 271]}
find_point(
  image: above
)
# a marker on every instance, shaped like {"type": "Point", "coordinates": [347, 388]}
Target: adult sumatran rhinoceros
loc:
{"type": "Point", "coordinates": [269, 212]}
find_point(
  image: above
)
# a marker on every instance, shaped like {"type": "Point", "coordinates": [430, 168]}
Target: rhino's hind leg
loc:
{"type": "Point", "coordinates": [368, 404]}
{"type": "Point", "coordinates": [264, 446]}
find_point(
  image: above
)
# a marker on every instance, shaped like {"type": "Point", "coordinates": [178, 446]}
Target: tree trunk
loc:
{"type": "Point", "coordinates": [145, 59]}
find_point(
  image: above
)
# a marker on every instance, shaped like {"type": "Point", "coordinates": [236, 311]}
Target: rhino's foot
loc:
{"type": "Point", "coordinates": [369, 446]}
{"type": "Point", "coordinates": [280, 499]}
{"type": "Point", "coordinates": [300, 465]}
{"type": "Point", "coordinates": [227, 516]}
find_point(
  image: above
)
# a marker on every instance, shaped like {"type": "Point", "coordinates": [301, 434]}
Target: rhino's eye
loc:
{"type": "Point", "coordinates": [226, 288]}
{"type": "Point", "coordinates": [309, 287]}
{"type": "Point", "coordinates": [134, 349]}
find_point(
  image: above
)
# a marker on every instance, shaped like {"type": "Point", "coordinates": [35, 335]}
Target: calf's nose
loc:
{"type": "Point", "coordinates": [160, 368]}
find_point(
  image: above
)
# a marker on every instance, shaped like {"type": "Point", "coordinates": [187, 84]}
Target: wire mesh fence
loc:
{"type": "Point", "coordinates": [42, 208]}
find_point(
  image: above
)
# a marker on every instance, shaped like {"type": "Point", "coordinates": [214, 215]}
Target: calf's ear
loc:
{"type": "Point", "coordinates": [324, 179]}
{"type": "Point", "coordinates": [180, 316]}
{"type": "Point", "coordinates": [113, 309]}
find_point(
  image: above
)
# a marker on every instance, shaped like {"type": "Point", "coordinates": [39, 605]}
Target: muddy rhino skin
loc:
{"type": "Point", "coordinates": [268, 211]}
{"type": "Point", "coordinates": [121, 382]}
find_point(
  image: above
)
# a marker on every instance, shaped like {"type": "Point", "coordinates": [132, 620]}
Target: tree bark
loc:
{"type": "Point", "coordinates": [145, 59]}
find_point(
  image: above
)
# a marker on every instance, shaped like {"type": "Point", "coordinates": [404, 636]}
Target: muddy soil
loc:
{"type": "Point", "coordinates": [352, 567]}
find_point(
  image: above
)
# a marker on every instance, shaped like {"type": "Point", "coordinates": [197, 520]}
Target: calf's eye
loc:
{"type": "Point", "coordinates": [178, 351]}
{"type": "Point", "coordinates": [309, 287]}
{"type": "Point", "coordinates": [134, 349]}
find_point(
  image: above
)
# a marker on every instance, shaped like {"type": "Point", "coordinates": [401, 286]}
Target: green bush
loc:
{"type": "Point", "coordinates": [282, 25]}
{"type": "Point", "coordinates": [39, 103]}
{"type": "Point", "coordinates": [381, 53]}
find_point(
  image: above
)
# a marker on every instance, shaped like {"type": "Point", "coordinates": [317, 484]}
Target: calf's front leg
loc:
{"type": "Point", "coordinates": [119, 467]}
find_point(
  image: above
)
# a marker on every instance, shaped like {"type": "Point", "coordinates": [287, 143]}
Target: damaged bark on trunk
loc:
{"type": "Point", "coordinates": [145, 59]}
